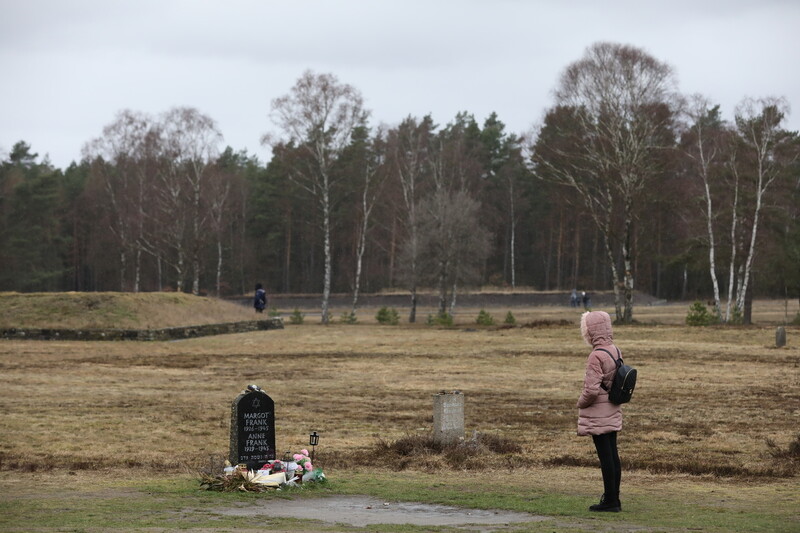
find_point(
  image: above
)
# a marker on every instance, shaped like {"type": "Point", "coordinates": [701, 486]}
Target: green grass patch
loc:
{"type": "Point", "coordinates": [177, 503]}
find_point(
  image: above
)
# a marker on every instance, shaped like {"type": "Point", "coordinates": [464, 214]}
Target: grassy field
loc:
{"type": "Point", "coordinates": [109, 436]}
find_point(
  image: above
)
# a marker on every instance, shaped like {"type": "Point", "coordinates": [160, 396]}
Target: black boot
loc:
{"type": "Point", "coordinates": [606, 505]}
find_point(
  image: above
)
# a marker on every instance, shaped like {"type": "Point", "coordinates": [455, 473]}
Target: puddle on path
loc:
{"type": "Point", "coordinates": [362, 511]}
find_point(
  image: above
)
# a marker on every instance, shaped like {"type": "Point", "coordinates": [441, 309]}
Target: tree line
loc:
{"type": "Point", "coordinates": [627, 184]}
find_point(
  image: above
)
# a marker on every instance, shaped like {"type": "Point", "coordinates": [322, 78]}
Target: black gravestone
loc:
{"type": "Point", "coordinates": [252, 429]}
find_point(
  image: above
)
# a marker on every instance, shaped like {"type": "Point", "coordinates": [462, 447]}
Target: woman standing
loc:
{"type": "Point", "coordinates": [597, 416]}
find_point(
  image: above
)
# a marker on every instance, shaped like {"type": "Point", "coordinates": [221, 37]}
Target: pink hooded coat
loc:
{"type": "Point", "coordinates": [597, 415]}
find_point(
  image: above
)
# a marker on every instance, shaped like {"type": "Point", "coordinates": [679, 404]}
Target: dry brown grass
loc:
{"type": "Point", "coordinates": [710, 401]}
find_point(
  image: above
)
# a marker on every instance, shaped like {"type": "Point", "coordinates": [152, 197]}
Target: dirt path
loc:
{"type": "Point", "coordinates": [361, 511]}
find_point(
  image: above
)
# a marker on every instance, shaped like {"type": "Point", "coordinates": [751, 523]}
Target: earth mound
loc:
{"type": "Point", "coordinates": [103, 310]}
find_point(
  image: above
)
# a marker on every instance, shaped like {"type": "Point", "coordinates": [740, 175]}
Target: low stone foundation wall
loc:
{"type": "Point", "coordinates": [165, 334]}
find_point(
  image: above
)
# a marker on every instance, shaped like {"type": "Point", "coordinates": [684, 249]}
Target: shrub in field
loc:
{"type": "Point", "coordinates": [699, 315]}
{"type": "Point", "coordinates": [484, 319]}
{"type": "Point", "coordinates": [796, 321]}
{"type": "Point", "coordinates": [349, 318]}
{"type": "Point", "coordinates": [387, 315]}
{"type": "Point", "coordinates": [510, 320]}
{"type": "Point", "coordinates": [296, 317]}
{"type": "Point", "coordinates": [273, 312]}
{"type": "Point", "coordinates": [412, 451]}
{"type": "Point", "coordinates": [787, 458]}
{"type": "Point", "coordinates": [442, 319]}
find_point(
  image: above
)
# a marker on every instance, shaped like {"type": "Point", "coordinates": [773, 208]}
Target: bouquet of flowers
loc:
{"type": "Point", "coordinates": [303, 461]}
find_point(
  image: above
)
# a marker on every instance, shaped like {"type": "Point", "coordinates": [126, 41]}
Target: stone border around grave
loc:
{"type": "Point", "coordinates": [164, 334]}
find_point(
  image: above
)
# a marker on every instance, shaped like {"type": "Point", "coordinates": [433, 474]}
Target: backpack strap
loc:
{"type": "Point", "coordinates": [617, 361]}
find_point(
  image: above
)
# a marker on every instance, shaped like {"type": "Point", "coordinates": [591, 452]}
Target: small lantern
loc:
{"type": "Point", "coordinates": [313, 440]}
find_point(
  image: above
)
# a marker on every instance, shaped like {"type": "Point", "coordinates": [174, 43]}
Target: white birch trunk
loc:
{"type": "Point", "coordinates": [453, 298]}
{"type": "Point", "coordinates": [513, 232]}
{"type": "Point", "coordinates": [513, 250]}
{"type": "Point", "coordinates": [137, 269]}
{"type": "Point", "coordinates": [712, 267]}
{"type": "Point", "coordinates": [614, 273]}
{"type": "Point", "coordinates": [195, 180]}
{"type": "Point", "coordinates": [326, 228]}
{"type": "Point", "coordinates": [362, 245]}
{"type": "Point", "coordinates": [732, 264]}
{"type": "Point", "coordinates": [195, 275]}
{"type": "Point", "coordinates": [123, 267]}
{"type": "Point", "coordinates": [705, 162]}
{"type": "Point", "coordinates": [442, 289]}
{"type": "Point", "coordinates": [628, 266]}
{"type": "Point", "coordinates": [180, 271]}
{"type": "Point", "coordinates": [219, 266]}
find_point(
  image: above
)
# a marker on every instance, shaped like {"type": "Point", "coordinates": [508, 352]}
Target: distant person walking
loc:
{"type": "Point", "coordinates": [573, 299]}
{"type": "Point", "coordinates": [587, 300]}
{"type": "Point", "coordinates": [597, 416]}
{"type": "Point", "coordinates": [260, 298]}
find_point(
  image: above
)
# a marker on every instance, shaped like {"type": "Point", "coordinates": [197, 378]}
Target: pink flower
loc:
{"type": "Point", "coordinates": [304, 452]}
{"type": "Point", "coordinates": [297, 457]}
{"type": "Point", "coordinates": [308, 466]}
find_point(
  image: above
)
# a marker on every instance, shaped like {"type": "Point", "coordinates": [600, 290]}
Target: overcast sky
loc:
{"type": "Point", "coordinates": [68, 66]}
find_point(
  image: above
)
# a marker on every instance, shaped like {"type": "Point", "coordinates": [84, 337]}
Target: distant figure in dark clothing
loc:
{"type": "Point", "coordinates": [260, 299]}
{"type": "Point", "coordinates": [573, 299]}
{"type": "Point", "coordinates": [587, 300]}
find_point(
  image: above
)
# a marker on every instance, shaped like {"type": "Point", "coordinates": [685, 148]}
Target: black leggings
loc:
{"type": "Point", "coordinates": [606, 445]}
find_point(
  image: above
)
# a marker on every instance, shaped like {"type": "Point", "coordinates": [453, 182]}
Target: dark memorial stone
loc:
{"type": "Point", "coordinates": [252, 428]}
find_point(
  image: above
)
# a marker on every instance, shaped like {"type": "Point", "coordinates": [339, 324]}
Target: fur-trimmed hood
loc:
{"type": "Point", "coordinates": [596, 328]}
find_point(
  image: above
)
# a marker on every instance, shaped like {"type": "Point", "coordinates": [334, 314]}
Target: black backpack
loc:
{"type": "Point", "coordinates": [624, 381]}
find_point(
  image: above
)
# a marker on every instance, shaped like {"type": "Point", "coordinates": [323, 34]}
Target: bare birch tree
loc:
{"type": "Point", "coordinates": [621, 103]}
{"type": "Point", "coordinates": [702, 145]}
{"type": "Point", "coordinates": [409, 150]}
{"type": "Point", "coordinates": [371, 160]}
{"type": "Point", "coordinates": [125, 157]}
{"type": "Point", "coordinates": [766, 151]}
{"type": "Point", "coordinates": [219, 199]}
{"type": "Point", "coordinates": [192, 140]}
{"type": "Point", "coordinates": [734, 235]}
{"type": "Point", "coordinates": [457, 166]}
{"type": "Point", "coordinates": [453, 243]}
{"type": "Point", "coordinates": [319, 115]}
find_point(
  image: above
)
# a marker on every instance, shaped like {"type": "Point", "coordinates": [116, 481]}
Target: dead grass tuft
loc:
{"type": "Point", "coordinates": [787, 459]}
{"type": "Point", "coordinates": [570, 460]}
{"type": "Point", "coordinates": [477, 453]}
{"type": "Point", "coordinates": [547, 323]}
